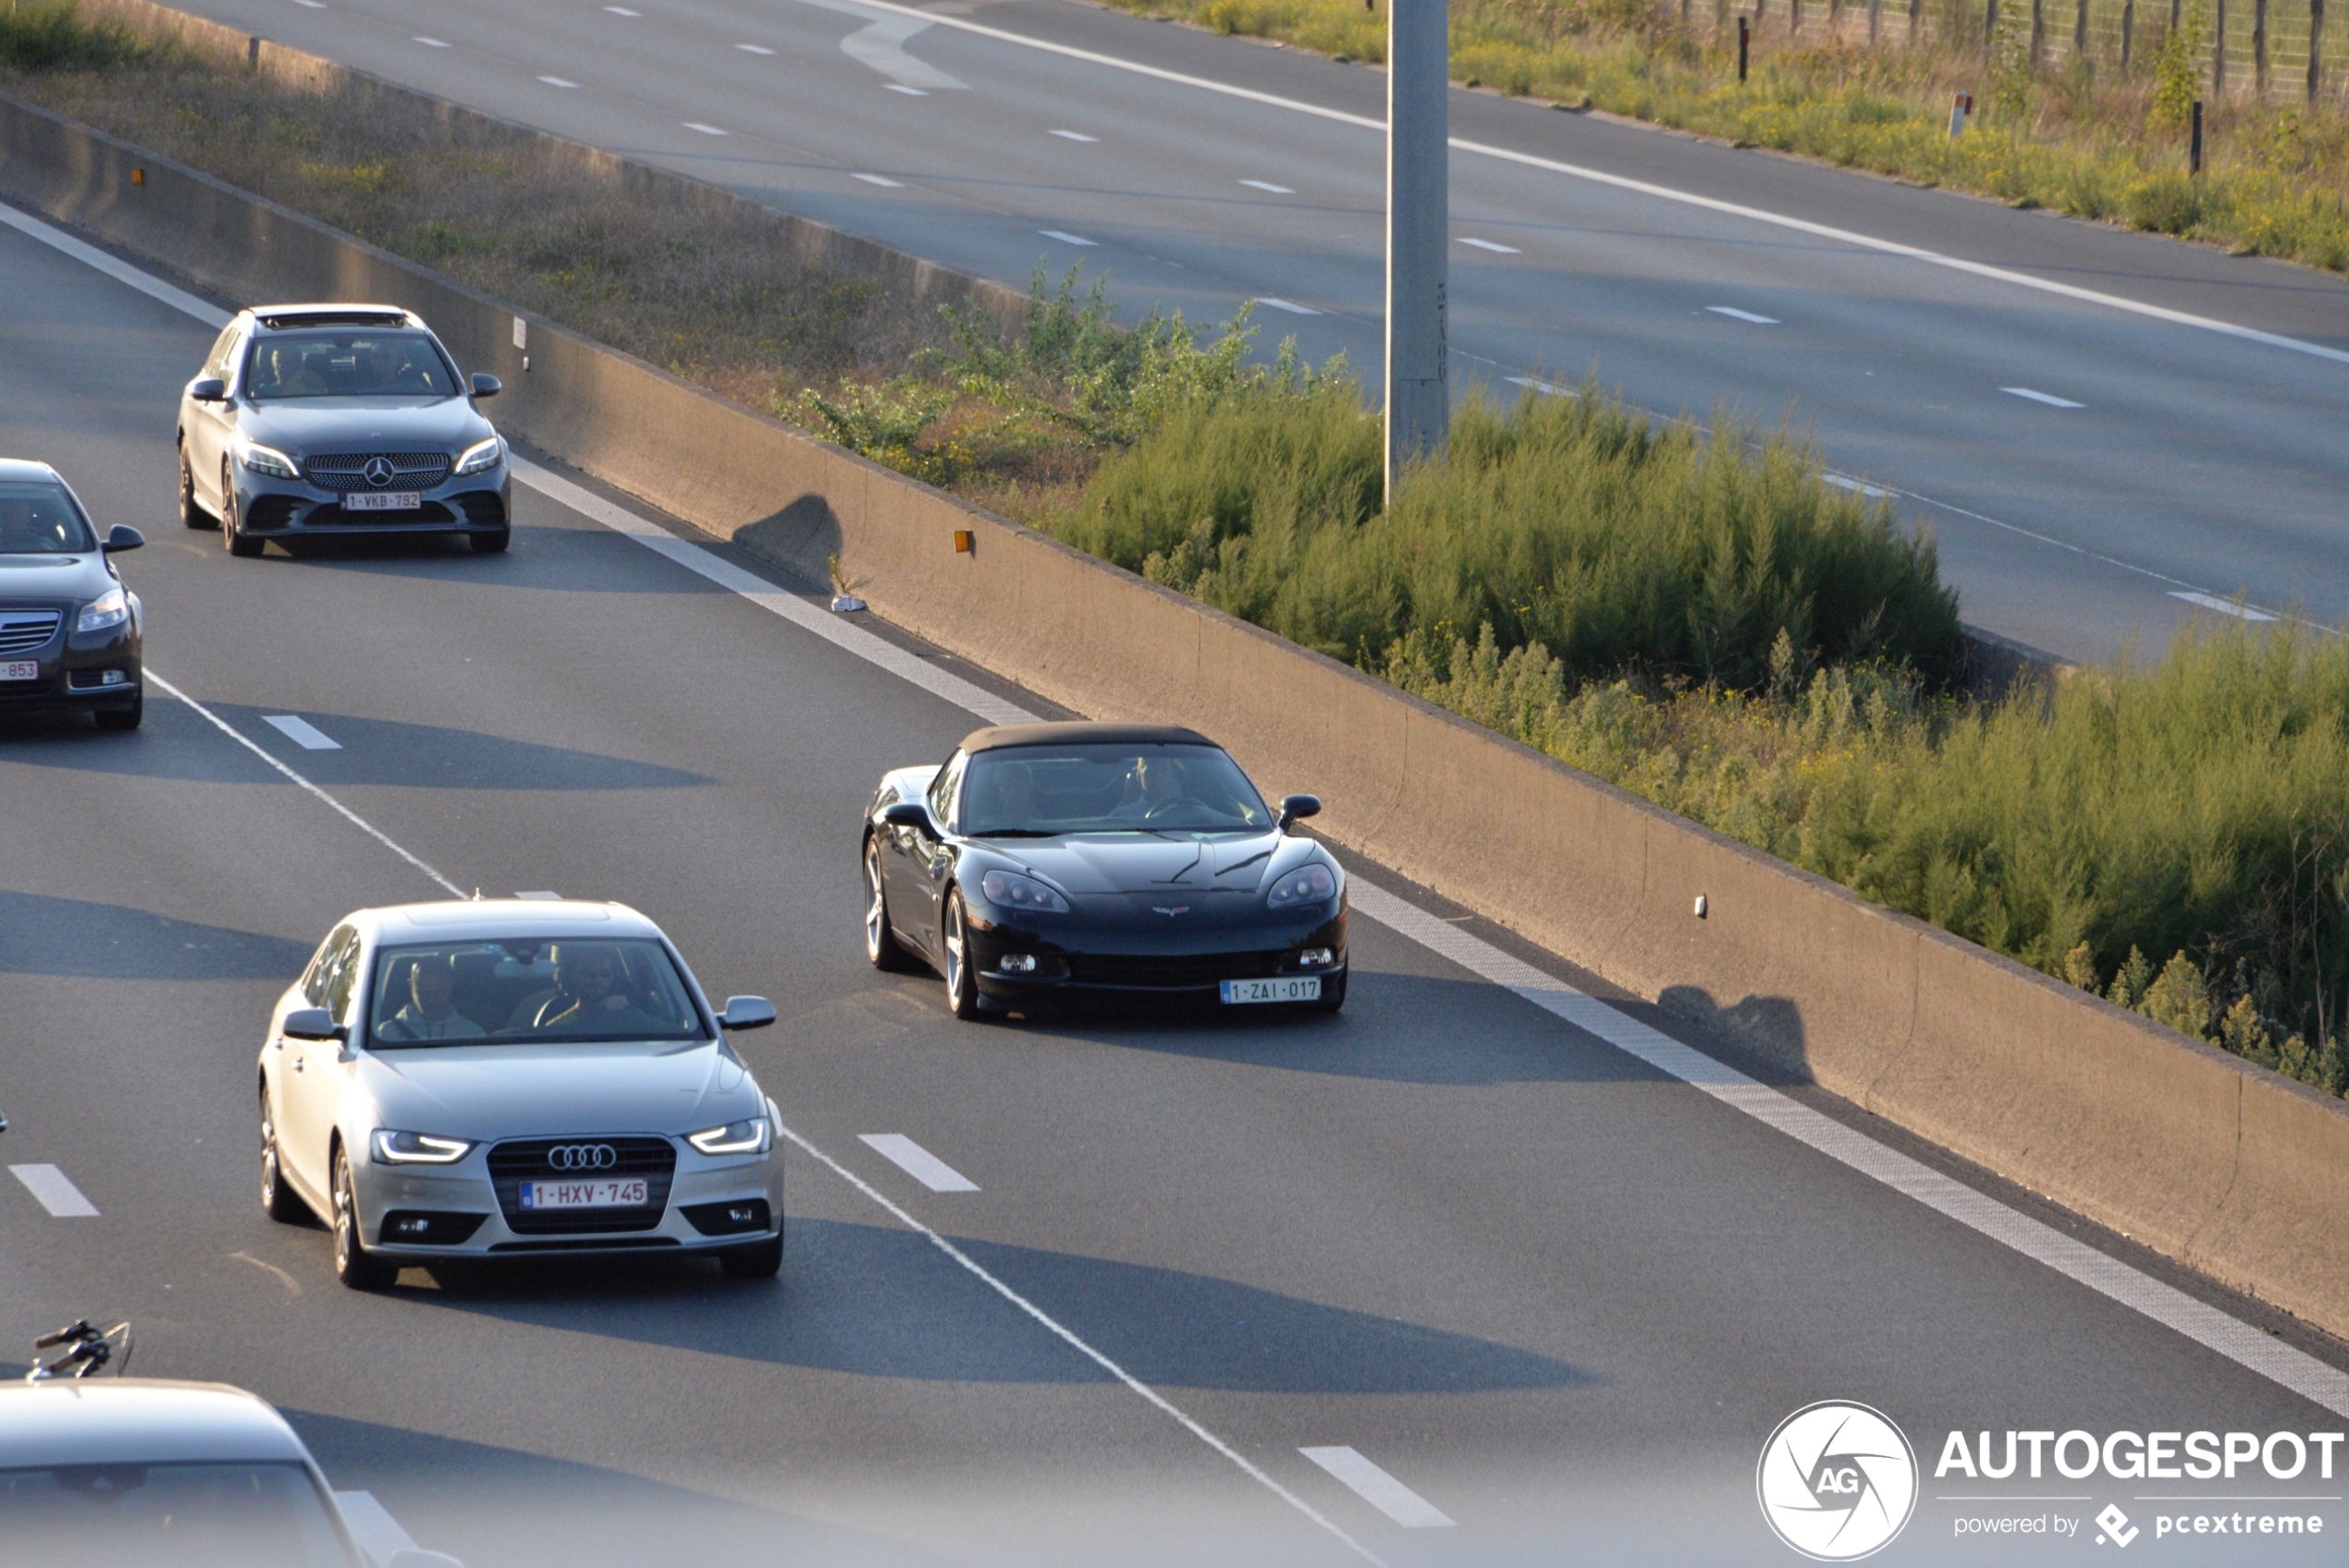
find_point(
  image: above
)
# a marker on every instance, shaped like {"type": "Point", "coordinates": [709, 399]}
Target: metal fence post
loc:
{"type": "Point", "coordinates": [1417, 153]}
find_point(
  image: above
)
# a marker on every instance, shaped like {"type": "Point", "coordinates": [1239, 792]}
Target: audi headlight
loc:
{"type": "Point", "coordinates": [418, 1149]}
{"type": "Point", "coordinates": [1307, 885]}
{"type": "Point", "coordinates": [751, 1136]}
{"type": "Point", "coordinates": [266, 459]}
{"type": "Point", "coordinates": [109, 608]}
{"type": "Point", "coordinates": [481, 456]}
{"type": "Point", "coordinates": [1008, 890]}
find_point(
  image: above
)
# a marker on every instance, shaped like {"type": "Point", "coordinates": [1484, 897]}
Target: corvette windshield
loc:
{"type": "Point", "coordinates": [348, 364]}
{"type": "Point", "coordinates": [1039, 791]}
{"type": "Point", "coordinates": [536, 990]}
{"type": "Point", "coordinates": [39, 519]}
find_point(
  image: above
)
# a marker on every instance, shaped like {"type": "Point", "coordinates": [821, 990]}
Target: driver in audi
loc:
{"type": "Point", "coordinates": [587, 997]}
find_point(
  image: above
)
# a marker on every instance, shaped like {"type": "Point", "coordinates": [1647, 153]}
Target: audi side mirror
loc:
{"type": "Point", "coordinates": [207, 389]}
{"type": "Point", "coordinates": [1295, 808]}
{"type": "Point", "coordinates": [313, 1023]}
{"type": "Point", "coordinates": [908, 814]}
{"type": "Point", "coordinates": [121, 537]}
{"type": "Point", "coordinates": [486, 385]}
{"type": "Point", "coordinates": [747, 1013]}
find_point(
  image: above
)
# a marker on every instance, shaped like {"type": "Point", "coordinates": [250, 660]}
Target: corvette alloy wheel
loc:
{"type": "Point", "coordinates": [881, 947]}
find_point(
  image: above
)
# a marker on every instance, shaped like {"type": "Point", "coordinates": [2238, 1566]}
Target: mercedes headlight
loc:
{"type": "Point", "coordinates": [1008, 890]}
{"type": "Point", "coordinates": [418, 1149]}
{"type": "Point", "coordinates": [751, 1136]}
{"type": "Point", "coordinates": [109, 608]}
{"type": "Point", "coordinates": [267, 460]}
{"type": "Point", "coordinates": [1308, 884]}
{"type": "Point", "coordinates": [481, 456]}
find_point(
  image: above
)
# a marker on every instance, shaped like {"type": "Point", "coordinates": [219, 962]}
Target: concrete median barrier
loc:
{"type": "Point", "coordinates": [2220, 1164]}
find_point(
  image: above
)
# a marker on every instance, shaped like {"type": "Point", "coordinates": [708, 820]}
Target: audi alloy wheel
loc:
{"type": "Point", "coordinates": [354, 1265]}
{"type": "Point", "coordinates": [277, 1200]}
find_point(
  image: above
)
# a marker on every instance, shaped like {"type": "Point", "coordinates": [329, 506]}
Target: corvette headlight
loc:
{"type": "Point", "coordinates": [266, 459]}
{"type": "Point", "coordinates": [109, 608]}
{"type": "Point", "coordinates": [1008, 890]}
{"type": "Point", "coordinates": [749, 1136]}
{"type": "Point", "coordinates": [1308, 884]}
{"type": "Point", "coordinates": [481, 456]}
{"type": "Point", "coordinates": [418, 1149]}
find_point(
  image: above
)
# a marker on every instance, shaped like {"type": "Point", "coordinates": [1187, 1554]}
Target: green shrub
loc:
{"type": "Point", "coordinates": [52, 36]}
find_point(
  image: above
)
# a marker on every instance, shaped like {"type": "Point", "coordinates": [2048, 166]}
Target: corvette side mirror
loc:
{"type": "Point", "coordinates": [313, 1023]}
{"type": "Point", "coordinates": [1295, 808]}
{"type": "Point", "coordinates": [908, 814]}
{"type": "Point", "coordinates": [747, 1013]}
{"type": "Point", "coordinates": [207, 389]}
{"type": "Point", "coordinates": [121, 537]}
{"type": "Point", "coordinates": [486, 385]}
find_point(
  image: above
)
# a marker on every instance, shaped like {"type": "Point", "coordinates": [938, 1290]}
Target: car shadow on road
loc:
{"type": "Point", "coordinates": [177, 743]}
{"type": "Point", "coordinates": [552, 560]}
{"type": "Point", "coordinates": [41, 934]}
{"type": "Point", "coordinates": [879, 1302]}
{"type": "Point", "coordinates": [1394, 1028]}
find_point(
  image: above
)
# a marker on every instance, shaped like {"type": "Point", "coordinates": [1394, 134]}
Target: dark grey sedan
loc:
{"type": "Point", "coordinates": [71, 629]}
{"type": "Point", "coordinates": [314, 422]}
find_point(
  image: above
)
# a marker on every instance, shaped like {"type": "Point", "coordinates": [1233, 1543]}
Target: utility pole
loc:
{"type": "Point", "coordinates": [1418, 76]}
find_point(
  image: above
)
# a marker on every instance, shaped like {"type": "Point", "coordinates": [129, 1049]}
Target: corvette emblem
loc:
{"type": "Point", "coordinates": [1179, 909]}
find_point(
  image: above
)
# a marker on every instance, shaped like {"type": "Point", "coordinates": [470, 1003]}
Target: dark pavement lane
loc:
{"type": "Point", "coordinates": [2198, 463]}
{"type": "Point", "coordinates": [1561, 1298]}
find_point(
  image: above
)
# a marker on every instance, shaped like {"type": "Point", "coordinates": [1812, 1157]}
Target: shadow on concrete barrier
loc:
{"type": "Point", "coordinates": [2224, 1166]}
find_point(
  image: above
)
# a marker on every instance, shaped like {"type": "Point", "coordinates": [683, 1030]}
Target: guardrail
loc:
{"type": "Point", "coordinates": [2231, 1170]}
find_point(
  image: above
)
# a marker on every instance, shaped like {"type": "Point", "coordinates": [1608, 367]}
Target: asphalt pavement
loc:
{"type": "Point", "coordinates": [2095, 474]}
{"type": "Point", "coordinates": [1555, 1298]}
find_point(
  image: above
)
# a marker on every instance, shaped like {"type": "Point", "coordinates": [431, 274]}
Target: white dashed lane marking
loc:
{"type": "Point", "coordinates": [1268, 185]}
{"type": "Point", "coordinates": [556, 81]}
{"type": "Point", "coordinates": [301, 732]}
{"type": "Point", "coordinates": [622, 11]}
{"type": "Point", "coordinates": [1065, 238]}
{"type": "Point", "coordinates": [1538, 384]}
{"type": "Point", "coordinates": [1074, 136]}
{"type": "Point", "coordinates": [908, 92]}
{"type": "Point", "coordinates": [431, 42]}
{"type": "Point", "coordinates": [1497, 249]}
{"type": "Point", "coordinates": [2047, 398]}
{"type": "Point", "coordinates": [57, 1193]}
{"type": "Point", "coordinates": [917, 1162]}
{"type": "Point", "coordinates": [705, 129]}
{"type": "Point", "coordinates": [1872, 492]}
{"type": "Point", "coordinates": [882, 180]}
{"type": "Point", "coordinates": [753, 49]}
{"type": "Point", "coordinates": [1379, 1489]}
{"type": "Point", "coordinates": [1291, 306]}
{"type": "Point", "coordinates": [2224, 607]}
{"type": "Point", "coordinates": [1736, 314]}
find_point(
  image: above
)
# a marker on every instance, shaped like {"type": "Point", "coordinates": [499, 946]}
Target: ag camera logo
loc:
{"type": "Point", "coordinates": [1836, 1481]}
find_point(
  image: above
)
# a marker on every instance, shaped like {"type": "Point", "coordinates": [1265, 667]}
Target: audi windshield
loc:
{"type": "Point", "coordinates": [540, 990]}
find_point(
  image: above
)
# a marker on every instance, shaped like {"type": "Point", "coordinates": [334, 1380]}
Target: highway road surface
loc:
{"type": "Point", "coordinates": [1480, 1271]}
{"type": "Point", "coordinates": [2094, 468]}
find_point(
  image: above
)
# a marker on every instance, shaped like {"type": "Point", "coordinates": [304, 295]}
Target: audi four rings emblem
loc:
{"type": "Point", "coordinates": [582, 1156]}
{"type": "Point", "coordinates": [378, 471]}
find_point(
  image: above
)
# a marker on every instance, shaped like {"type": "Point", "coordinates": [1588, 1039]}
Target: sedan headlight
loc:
{"type": "Point", "coordinates": [418, 1149]}
{"type": "Point", "coordinates": [1008, 890]}
{"type": "Point", "coordinates": [1308, 884]}
{"type": "Point", "coordinates": [751, 1136]}
{"type": "Point", "coordinates": [481, 456]}
{"type": "Point", "coordinates": [109, 608]}
{"type": "Point", "coordinates": [266, 459]}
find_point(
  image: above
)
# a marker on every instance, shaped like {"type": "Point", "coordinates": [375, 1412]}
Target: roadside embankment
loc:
{"type": "Point", "coordinates": [2205, 1157]}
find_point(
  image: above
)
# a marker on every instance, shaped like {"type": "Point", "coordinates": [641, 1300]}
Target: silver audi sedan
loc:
{"type": "Point", "coordinates": [508, 1077]}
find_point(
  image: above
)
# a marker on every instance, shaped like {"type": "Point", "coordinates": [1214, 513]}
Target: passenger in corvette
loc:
{"type": "Point", "coordinates": [588, 999]}
{"type": "Point", "coordinates": [429, 1013]}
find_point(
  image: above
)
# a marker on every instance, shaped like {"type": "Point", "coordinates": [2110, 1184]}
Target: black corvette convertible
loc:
{"type": "Point", "coordinates": [1068, 862]}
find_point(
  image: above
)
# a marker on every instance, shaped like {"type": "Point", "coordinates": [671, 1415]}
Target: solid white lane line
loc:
{"type": "Point", "coordinates": [881, 180]}
{"type": "Point", "coordinates": [836, 629]}
{"type": "Point", "coordinates": [556, 81]}
{"type": "Point", "coordinates": [917, 1162]}
{"type": "Point", "coordinates": [908, 92]}
{"type": "Point", "coordinates": [1052, 1325]}
{"type": "Point", "coordinates": [378, 1533]}
{"type": "Point", "coordinates": [1379, 1489]}
{"type": "Point", "coordinates": [120, 270]}
{"type": "Point", "coordinates": [357, 821]}
{"type": "Point", "coordinates": [1291, 306]}
{"type": "Point", "coordinates": [1539, 386]}
{"type": "Point", "coordinates": [2206, 1326]}
{"type": "Point", "coordinates": [430, 43]}
{"type": "Point", "coordinates": [1268, 185]}
{"type": "Point", "coordinates": [2224, 607]}
{"type": "Point", "coordinates": [2052, 401]}
{"type": "Point", "coordinates": [58, 1194]}
{"type": "Point", "coordinates": [753, 49]}
{"type": "Point", "coordinates": [1644, 188]}
{"type": "Point", "coordinates": [301, 732]}
{"type": "Point", "coordinates": [1489, 245]}
{"type": "Point", "coordinates": [1732, 311]}
{"type": "Point", "coordinates": [1872, 492]}
{"type": "Point", "coordinates": [705, 129]}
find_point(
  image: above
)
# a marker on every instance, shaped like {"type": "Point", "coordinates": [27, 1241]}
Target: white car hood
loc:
{"type": "Point", "coordinates": [512, 1090]}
